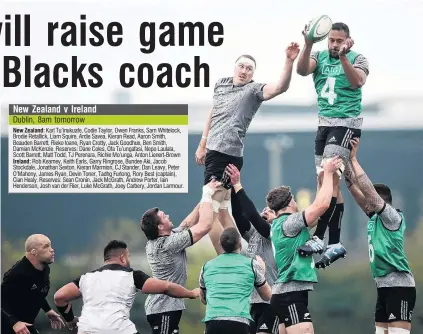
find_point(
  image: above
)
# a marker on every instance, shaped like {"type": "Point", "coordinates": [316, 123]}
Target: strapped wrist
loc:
{"type": "Point", "coordinates": [68, 316]}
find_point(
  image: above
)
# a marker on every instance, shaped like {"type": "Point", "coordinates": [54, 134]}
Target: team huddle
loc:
{"type": "Point", "coordinates": [264, 288]}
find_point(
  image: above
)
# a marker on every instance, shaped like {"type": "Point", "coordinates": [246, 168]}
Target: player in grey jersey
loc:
{"type": "Point", "coordinates": [396, 292]}
{"type": "Point", "coordinates": [236, 100]}
{"type": "Point", "coordinates": [166, 254]}
{"type": "Point", "coordinates": [255, 229]}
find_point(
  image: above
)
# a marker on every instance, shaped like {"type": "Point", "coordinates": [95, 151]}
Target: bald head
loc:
{"type": "Point", "coordinates": [38, 249]}
{"type": "Point", "coordinates": [35, 241]}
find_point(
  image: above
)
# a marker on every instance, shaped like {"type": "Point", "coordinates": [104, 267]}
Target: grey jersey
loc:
{"type": "Point", "coordinates": [233, 110]}
{"type": "Point", "coordinates": [291, 227]}
{"type": "Point", "coordinates": [362, 63]}
{"type": "Point", "coordinates": [392, 220]}
{"type": "Point", "coordinates": [261, 246]}
{"type": "Point", "coordinates": [168, 261]}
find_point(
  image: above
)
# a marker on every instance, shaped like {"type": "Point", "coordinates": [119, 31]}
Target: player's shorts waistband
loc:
{"type": "Point", "coordinates": [350, 122]}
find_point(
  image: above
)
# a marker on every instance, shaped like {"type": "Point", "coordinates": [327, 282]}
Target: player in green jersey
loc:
{"type": "Point", "coordinates": [226, 284]}
{"type": "Point", "coordinates": [338, 75]}
{"type": "Point", "coordinates": [296, 274]}
{"type": "Point", "coordinates": [396, 292]}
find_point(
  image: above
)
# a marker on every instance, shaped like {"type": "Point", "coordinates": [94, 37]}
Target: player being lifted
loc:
{"type": "Point", "coordinates": [338, 75]}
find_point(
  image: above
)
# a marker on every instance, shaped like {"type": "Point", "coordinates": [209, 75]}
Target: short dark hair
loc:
{"type": "Point", "coordinates": [249, 57]}
{"type": "Point", "coordinates": [230, 240]}
{"type": "Point", "coordinates": [150, 222]}
{"type": "Point", "coordinates": [279, 198]}
{"type": "Point", "coordinates": [341, 27]}
{"type": "Point", "coordinates": [113, 248]}
{"type": "Point", "coordinates": [384, 191]}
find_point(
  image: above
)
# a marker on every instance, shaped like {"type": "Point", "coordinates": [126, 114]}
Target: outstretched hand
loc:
{"type": "Point", "coordinates": [233, 174]}
{"type": "Point", "coordinates": [355, 142]}
{"type": "Point", "coordinates": [292, 51]}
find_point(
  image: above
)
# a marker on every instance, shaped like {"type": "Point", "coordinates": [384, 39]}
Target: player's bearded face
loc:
{"type": "Point", "coordinates": [336, 39]}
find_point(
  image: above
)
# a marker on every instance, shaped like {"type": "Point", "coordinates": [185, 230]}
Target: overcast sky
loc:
{"type": "Point", "coordinates": [386, 32]}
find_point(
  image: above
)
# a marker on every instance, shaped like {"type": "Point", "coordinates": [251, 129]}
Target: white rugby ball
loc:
{"type": "Point", "coordinates": [319, 28]}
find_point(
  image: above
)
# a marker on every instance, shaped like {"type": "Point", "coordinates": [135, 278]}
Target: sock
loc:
{"type": "Point", "coordinates": [335, 224]}
{"type": "Point", "coordinates": [323, 222]}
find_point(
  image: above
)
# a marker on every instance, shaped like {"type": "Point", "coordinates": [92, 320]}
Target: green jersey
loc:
{"type": "Point", "coordinates": [229, 280]}
{"type": "Point", "coordinates": [335, 97]}
{"type": "Point", "coordinates": [386, 248]}
{"type": "Point", "coordinates": [291, 266]}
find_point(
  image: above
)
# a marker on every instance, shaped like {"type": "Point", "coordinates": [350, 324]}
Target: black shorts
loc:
{"type": "Point", "coordinates": [265, 320]}
{"type": "Point", "coordinates": [395, 304]}
{"type": "Point", "coordinates": [216, 162]}
{"type": "Point", "coordinates": [336, 135]}
{"type": "Point", "coordinates": [291, 307]}
{"type": "Point", "coordinates": [226, 327]}
{"type": "Point", "coordinates": [165, 323]}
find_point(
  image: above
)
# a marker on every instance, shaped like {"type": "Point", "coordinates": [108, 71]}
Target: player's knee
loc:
{"type": "Point", "coordinates": [380, 330]}
{"type": "Point", "coordinates": [318, 163]}
{"type": "Point", "coordinates": [335, 150]}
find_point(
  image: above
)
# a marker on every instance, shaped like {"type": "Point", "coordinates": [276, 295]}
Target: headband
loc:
{"type": "Point", "coordinates": [285, 203]}
{"type": "Point", "coordinates": [246, 61]}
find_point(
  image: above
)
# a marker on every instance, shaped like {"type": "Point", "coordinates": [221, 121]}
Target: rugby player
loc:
{"type": "Point", "coordinates": [289, 230]}
{"type": "Point", "coordinates": [236, 100]}
{"type": "Point", "coordinates": [166, 254]}
{"type": "Point", "coordinates": [255, 229]}
{"type": "Point", "coordinates": [396, 291]}
{"type": "Point", "coordinates": [226, 284]}
{"type": "Point", "coordinates": [339, 74]}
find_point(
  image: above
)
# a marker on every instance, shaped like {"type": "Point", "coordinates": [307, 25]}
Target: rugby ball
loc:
{"type": "Point", "coordinates": [319, 28]}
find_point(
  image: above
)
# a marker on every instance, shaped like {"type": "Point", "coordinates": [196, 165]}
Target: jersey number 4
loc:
{"type": "Point", "coordinates": [328, 90]}
{"type": "Point", "coordinates": [371, 249]}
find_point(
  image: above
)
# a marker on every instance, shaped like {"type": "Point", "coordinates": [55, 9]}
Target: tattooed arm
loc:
{"type": "Point", "coordinates": [370, 201]}
{"type": "Point", "coordinates": [354, 189]}
{"type": "Point", "coordinates": [190, 220]}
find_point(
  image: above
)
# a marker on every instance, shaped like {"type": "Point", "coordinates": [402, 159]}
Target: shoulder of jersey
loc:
{"type": "Point", "coordinates": [319, 28]}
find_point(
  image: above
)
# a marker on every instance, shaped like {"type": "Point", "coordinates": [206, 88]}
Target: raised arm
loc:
{"type": "Point", "coordinates": [248, 207]}
{"type": "Point", "coordinates": [306, 63]}
{"type": "Point", "coordinates": [200, 154]}
{"type": "Point", "coordinates": [373, 202]}
{"type": "Point", "coordinates": [213, 194]}
{"type": "Point", "coordinates": [191, 219]}
{"type": "Point", "coordinates": [356, 193]}
{"type": "Point", "coordinates": [356, 73]}
{"type": "Point", "coordinates": [324, 196]}
{"type": "Point", "coordinates": [282, 85]}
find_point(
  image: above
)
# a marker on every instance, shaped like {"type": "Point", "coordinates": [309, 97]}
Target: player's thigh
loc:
{"type": "Point", "coordinates": [301, 328]}
{"type": "Point", "coordinates": [266, 321]}
{"type": "Point", "coordinates": [216, 162]}
{"type": "Point", "coordinates": [338, 141]}
{"type": "Point", "coordinates": [400, 304]}
{"type": "Point", "coordinates": [319, 144]}
{"type": "Point", "coordinates": [226, 327]}
{"type": "Point", "coordinates": [165, 323]}
{"type": "Point", "coordinates": [292, 309]}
